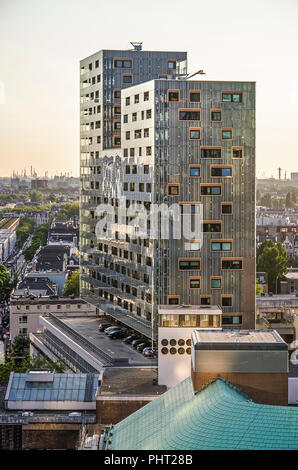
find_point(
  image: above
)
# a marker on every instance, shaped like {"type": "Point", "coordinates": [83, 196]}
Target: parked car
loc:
{"type": "Point", "coordinates": [149, 352]}
{"type": "Point", "coordinates": [103, 326]}
{"type": "Point", "coordinates": [136, 342]}
{"type": "Point", "coordinates": [130, 339]}
{"type": "Point", "coordinates": [117, 334]}
{"type": "Point", "coordinates": [111, 328]}
{"type": "Point", "coordinates": [142, 346]}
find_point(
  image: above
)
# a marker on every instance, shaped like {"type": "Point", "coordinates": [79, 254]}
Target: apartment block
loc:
{"type": "Point", "coordinates": [189, 147]}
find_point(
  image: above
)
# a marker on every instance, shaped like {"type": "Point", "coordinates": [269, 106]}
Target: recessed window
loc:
{"type": "Point", "coordinates": [195, 171]}
{"type": "Point", "coordinates": [138, 133]}
{"type": "Point", "coordinates": [117, 94]}
{"type": "Point", "coordinates": [189, 114]}
{"type": "Point", "coordinates": [232, 320]}
{"type": "Point", "coordinates": [173, 189]}
{"type": "Point", "coordinates": [127, 78]}
{"type": "Point", "coordinates": [127, 135]}
{"type": "Point", "coordinates": [146, 169]}
{"type": "Point", "coordinates": [195, 96]}
{"type": "Point", "coordinates": [117, 125]}
{"type": "Point", "coordinates": [127, 100]}
{"type": "Point", "coordinates": [205, 300]}
{"type": "Point", "coordinates": [194, 282]}
{"type": "Point", "coordinates": [146, 132]}
{"type": "Point", "coordinates": [137, 99]}
{"type": "Point", "coordinates": [117, 140]}
{"type": "Point", "coordinates": [148, 114]}
{"type": "Point", "coordinates": [134, 117]}
{"type": "Point", "coordinates": [210, 190]}
{"type": "Point", "coordinates": [173, 95]}
{"type": "Point", "coordinates": [189, 264]}
{"type": "Point", "coordinates": [221, 171]}
{"type": "Point", "coordinates": [215, 115]}
{"type": "Point", "coordinates": [216, 282]}
{"type": "Point", "coordinates": [123, 63]}
{"type": "Point", "coordinates": [148, 151]}
{"type": "Point", "coordinates": [227, 208]}
{"type": "Point", "coordinates": [231, 97]}
{"type": "Point", "coordinates": [231, 263]}
{"type": "Point", "coordinates": [226, 134]}
{"type": "Point", "coordinates": [212, 227]}
{"type": "Point", "coordinates": [173, 299]}
{"type": "Point", "coordinates": [117, 109]}
{"type": "Point", "coordinates": [193, 246]}
{"type": "Point", "coordinates": [221, 245]}
{"type": "Point", "coordinates": [195, 133]}
{"type": "Point", "coordinates": [146, 96]}
{"type": "Point", "coordinates": [214, 152]}
{"type": "Point", "coordinates": [227, 300]}
{"type": "Point", "coordinates": [237, 152]}
{"type": "Point", "coordinates": [172, 64]}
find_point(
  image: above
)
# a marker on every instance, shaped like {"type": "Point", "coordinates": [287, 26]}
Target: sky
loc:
{"type": "Point", "coordinates": [42, 42]}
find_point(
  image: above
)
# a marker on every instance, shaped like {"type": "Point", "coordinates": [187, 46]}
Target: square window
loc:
{"type": "Point", "coordinates": [195, 171]}
{"type": "Point", "coordinates": [215, 115]}
{"type": "Point", "coordinates": [195, 134]}
{"type": "Point", "coordinates": [226, 134]}
{"type": "Point", "coordinates": [127, 100]}
{"type": "Point", "coordinates": [226, 208]}
{"type": "Point", "coordinates": [127, 78]}
{"type": "Point", "coordinates": [195, 283]}
{"type": "Point", "coordinates": [195, 96]}
{"type": "Point", "coordinates": [227, 301]}
{"type": "Point", "coordinates": [173, 95]}
{"type": "Point", "coordinates": [215, 283]}
{"type": "Point", "coordinates": [237, 153]}
{"type": "Point", "coordinates": [173, 189]}
{"type": "Point", "coordinates": [171, 64]}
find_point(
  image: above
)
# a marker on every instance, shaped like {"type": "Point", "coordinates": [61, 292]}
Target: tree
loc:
{"type": "Point", "coordinates": [11, 365]}
{"type": "Point", "coordinates": [273, 259]}
{"type": "Point", "coordinates": [289, 200]}
{"type": "Point", "coordinates": [69, 210]}
{"type": "Point", "coordinates": [266, 200]}
{"type": "Point", "coordinates": [36, 196]}
{"type": "Point", "coordinates": [259, 288]}
{"type": "Point", "coordinates": [72, 285]}
{"type": "Point", "coordinates": [6, 283]}
{"type": "Point", "coordinates": [39, 239]}
{"type": "Point", "coordinates": [25, 228]}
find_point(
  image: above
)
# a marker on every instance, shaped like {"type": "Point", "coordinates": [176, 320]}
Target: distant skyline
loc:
{"type": "Point", "coordinates": [42, 42]}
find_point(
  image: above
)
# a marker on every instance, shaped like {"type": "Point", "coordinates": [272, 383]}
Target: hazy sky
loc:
{"type": "Point", "coordinates": [42, 41]}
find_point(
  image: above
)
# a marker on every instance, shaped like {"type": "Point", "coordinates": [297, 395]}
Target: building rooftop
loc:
{"type": "Point", "coordinates": [36, 286]}
{"type": "Point", "coordinates": [240, 338]}
{"type": "Point", "coordinates": [49, 386]}
{"type": "Point", "coordinates": [130, 381]}
{"type": "Point", "coordinates": [217, 417]}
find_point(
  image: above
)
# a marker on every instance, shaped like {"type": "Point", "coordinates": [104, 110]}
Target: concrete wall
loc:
{"type": "Point", "coordinates": [50, 436]}
{"type": "Point", "coordinates": [113, 410]}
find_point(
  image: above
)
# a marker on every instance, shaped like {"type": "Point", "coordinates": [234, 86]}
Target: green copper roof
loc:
{"type": "Point", "coordinates": [219, 416]}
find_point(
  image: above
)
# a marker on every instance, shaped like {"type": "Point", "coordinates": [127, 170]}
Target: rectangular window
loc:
{"type": "Point", "coordinates": [173, 299]}
{"type": "Point", "coordinates": [132, 152]}
{"type": "Point", "coordinates": [212, 226]}
{"type": "Point", "coordinates": [232, 320]}
{"type": "Point", "coordinates": [117, 93]}
{"type": "Point", "coordinates": [148, 151]}
{"type": "Point", "coordinates": [125, 118]}
{"type": "Point", "coordinates": [227, 300]}
{"type": "Point", "coordinates": [193, 245]}
{"type": "Point", "coordinates": [117, 140]}
{"type": "Point", "coordinates": [189, 264]}
{"type": "Point", "coordinates": [127, 100]}
{"type": "Point", "coordinates": [117, 125]}
{"type": "Point", "coordinates": [195, 133]}
{"type": "Point", "coordinates": [215, 115]}
{"type": "Point", "coordinates": [172, 64]}
{"type": "Point", "coordinates": [137, 99]}
{"type": "Point", "coordinates": [210, 189]}
{"type": "Point", "coordinates": [227, 134]}
{"type": "Point", "coordinates": [231, 263]}
{"type": "Point", "coordinates": [127, 78]}
{"type": "Point", "coordinates": [146, 169]}
{"type": "Point", "coordinates": [146, 96]}
{"type": "Point", "coordinates": [146, 132]}
{"type": "Point", "coordinates": [189, 114]}
{"type": "Point", "coordinates": [131, 186]}
{"type": "Point", "coordinates": [127, 135]}
{"type": "Point", "coordinates": [221, 171]}
{"type": "Point", "coordinates": [148, 114]}
{"type": "Point", "coordinates": [237, 152]}
{"type": "Point", "coordinates": [227, 208]}
{"type": "Point", "coordinates": [194, 282]}
{"type": "Point", "coordinates": [173, 189]}
{"type": "Point", "coordinates": [134, 117]}
{"type": "Point", "coordinates": [216, 282]}
{"type": "Point", "coordinates": [221, 245]}
{"type": "Point", "coordinates": [205, 299]}
{"type": "Point", "coordinates": [231, 97]}
{"type": "Point", "coordinates": [194, 171]}
{"type": "Point", "coordinates": [195, 96]}
{"type": "Point", "coordinates": [210, 152]}
{"type": "Point", "coordinates": [162, 77]}
{"type": "Point", "coordinates": [117, 109]}
{"type": "Point", "coordinates": [173, 95]}
{"type": "Point", "coordinates": [123, 63]}
{"type": "Point", "coordinates": [138, 133]}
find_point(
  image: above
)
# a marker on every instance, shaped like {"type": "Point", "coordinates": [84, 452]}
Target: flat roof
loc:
{"type": "Point", "coordinates": [189, 310]}
{"type": "Point", "coordinates": [244, 339]}
{"type": "Point", "coordinates": [130, 381]}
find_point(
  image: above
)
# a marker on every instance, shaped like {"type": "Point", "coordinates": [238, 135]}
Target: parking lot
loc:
{"type": "Point", "coordinates": [88, 327]}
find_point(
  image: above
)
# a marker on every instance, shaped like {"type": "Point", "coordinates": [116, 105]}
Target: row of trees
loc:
{"type": "Point", "coordinates": [19, 360]}
{"type": "Point", "coordinates": [25, 228]}
{"type": "Point", "coordinates": [267, 200]}
{"type": "Point", "coordinates": [72, 285]}
{"type": "Point", "coordinates": [70, 209]}
{"type": "Point", "coordinates": [7, 284]}
{"type": "Point", "coordinates": [39, 239]}
{"type": "Point", "coordinates": [273, 259]}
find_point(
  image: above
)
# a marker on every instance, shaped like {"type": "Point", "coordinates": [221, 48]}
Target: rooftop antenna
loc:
{"type": "Point", "coordinates": [137, 46]}
{"type": "Point", "coordinates": [279, 173]}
